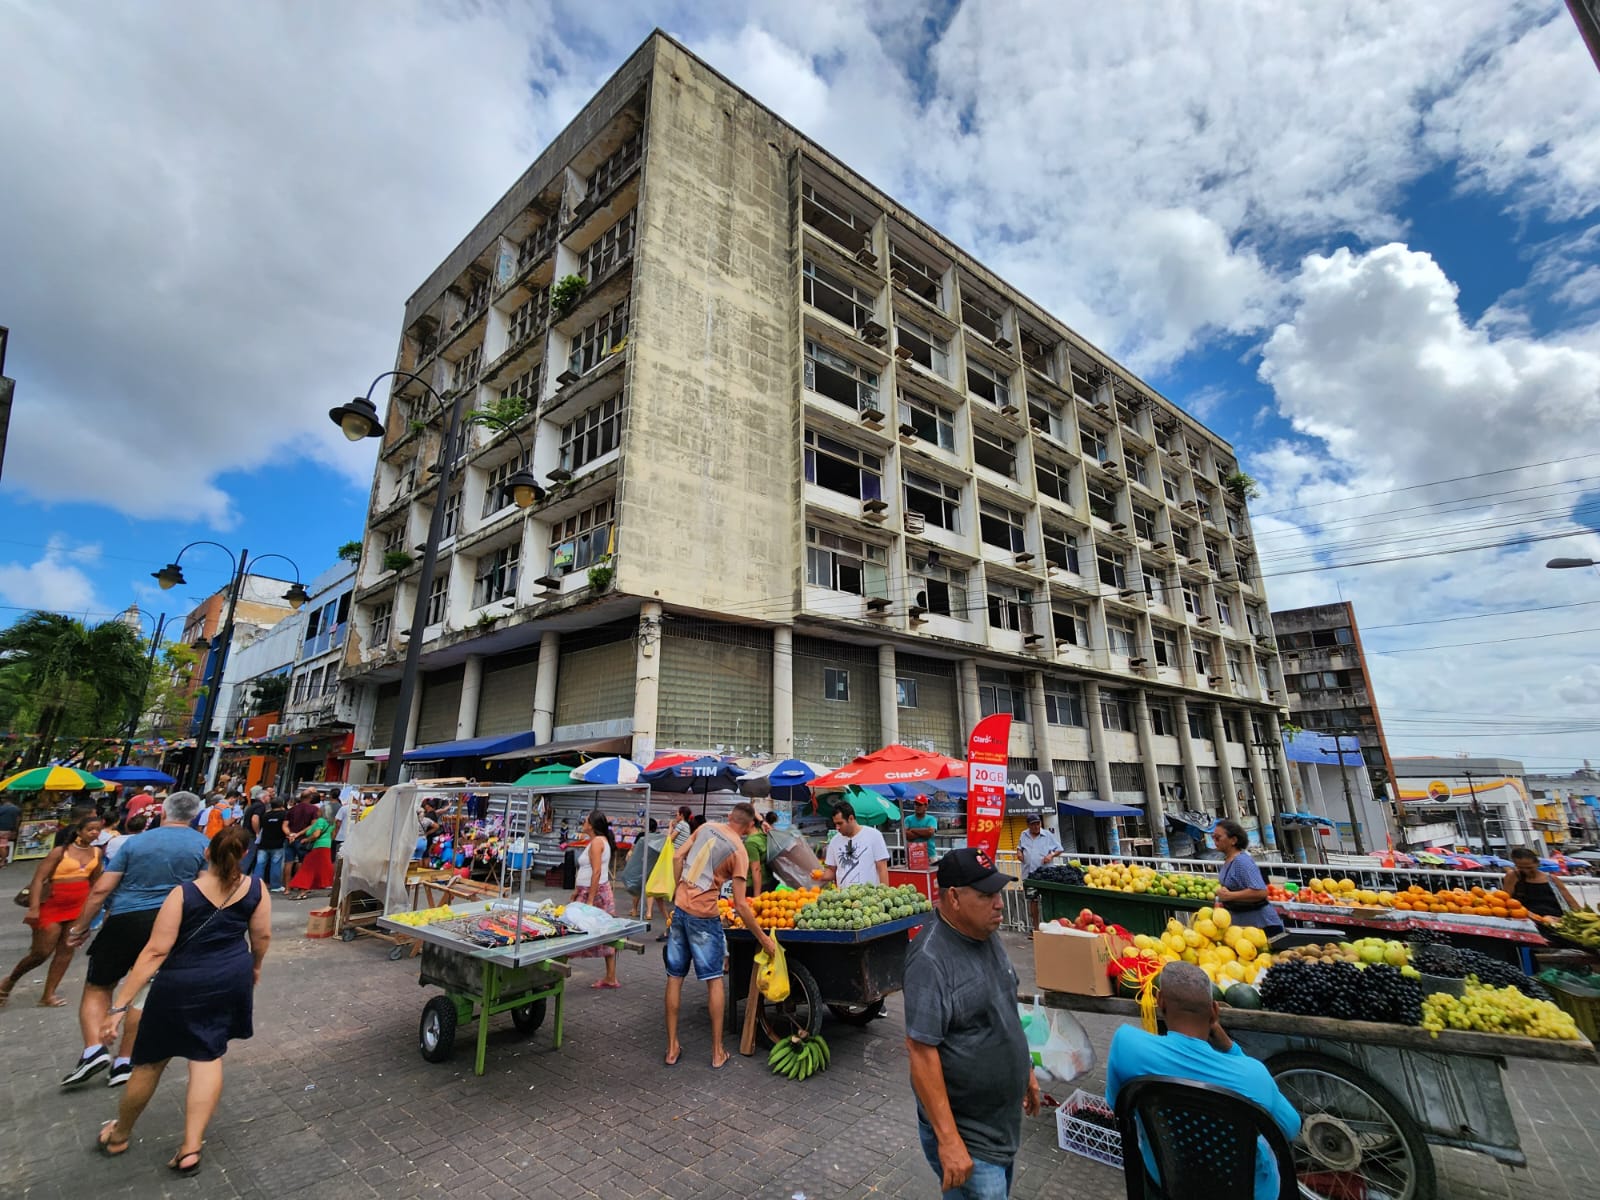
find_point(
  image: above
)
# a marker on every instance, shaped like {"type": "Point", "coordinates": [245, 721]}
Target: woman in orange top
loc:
{"type": "Point", "coordinates": [55, 898]}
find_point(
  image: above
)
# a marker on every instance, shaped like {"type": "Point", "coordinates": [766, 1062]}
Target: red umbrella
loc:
{"type": "Point", "coordinates": [892, 764]}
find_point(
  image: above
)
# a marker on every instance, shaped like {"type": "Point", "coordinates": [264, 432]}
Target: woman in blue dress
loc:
{"type": "Point", "coordinates": [208, 943]}
{"type": "Point", "coordinates": [1243, 892]}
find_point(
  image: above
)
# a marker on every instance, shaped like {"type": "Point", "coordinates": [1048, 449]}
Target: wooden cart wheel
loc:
{"type": "Point", "coordinates": [1356, 1138]}
{"type": "Point", "coordinates": [529, 1017]}
{"type": "Point", "coordinates": [801, 1013]}
{"type": "Point", "coordinates": [436, 1037]}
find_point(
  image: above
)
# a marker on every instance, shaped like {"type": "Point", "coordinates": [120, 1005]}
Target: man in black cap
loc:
{"type": "Point", "coordinates": [970, 1066]}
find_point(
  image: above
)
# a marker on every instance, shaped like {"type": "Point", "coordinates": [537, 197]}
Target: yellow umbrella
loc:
{"type": "Point", "coordinates": [52, 779]}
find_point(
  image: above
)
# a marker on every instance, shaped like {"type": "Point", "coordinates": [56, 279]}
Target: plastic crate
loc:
{"type": "Point", "coordinates": [1582, 1002]}
{"type": "Point", "coordinates": [1085, 1138]}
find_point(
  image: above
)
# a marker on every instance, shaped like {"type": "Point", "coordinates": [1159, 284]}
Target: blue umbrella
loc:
{"type": "Point", "coordinates": [138, 776]}
{"type": "Point", "coordinates": [788, 772]}
{"type": "Point", "coordinates": [611, 770]}
{"type": "Point", "coordinates": [705, 775]}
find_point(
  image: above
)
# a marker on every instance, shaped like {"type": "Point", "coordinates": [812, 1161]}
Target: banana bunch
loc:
{"type": "Point", "coordinates": [799, 1057]}
{"type": "Point", "coordinates": [1581, 927]}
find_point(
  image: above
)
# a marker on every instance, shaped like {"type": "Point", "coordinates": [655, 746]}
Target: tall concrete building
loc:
{"type": "Point", "coordinates": [820, 481]}
{"type": "Point", "coordinates": [1330, 689]}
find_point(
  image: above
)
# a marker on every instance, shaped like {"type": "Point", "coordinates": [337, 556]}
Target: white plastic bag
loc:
{"type": "Point", "coordinates": [1057, 1043]}
{"type": "Point", "coordinates": [589, 919]}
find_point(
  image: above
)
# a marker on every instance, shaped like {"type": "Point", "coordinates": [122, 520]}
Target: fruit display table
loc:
{"type": "Point", "coordinates": [1498, 937]}
{"type": "Point", "coordinates": [1137, 912]}
{"type": "Point", "coordinates": [1360, 1137]}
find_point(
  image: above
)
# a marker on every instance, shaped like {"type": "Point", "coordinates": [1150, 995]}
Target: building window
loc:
{"type": "Point", "coordinates": [1122, 636]}
{"type": "Point", "coordinates": [1048, 416]}
{"type": "Point", "coordinates": [929, 421]}
{"type": "Point", "coordinates": [1144, 523]}
{"type": "Point", "coordinates": [525, 386]}
{"type": "Point", "coordinates": [932, 352]}
{"type": "Point", "coordinates": [836, 377]}
{"type": "Point", "coordinates": [592, 434]}
{"type": "Point", "coordinates": [1162, 722]}
{"type": "Point", "coordinates": [437, 595]}
{"type": "Point", "coordinates": [1192, 603]}
{"type": "Point", "coordinates": [1252, 620]}
{"type": "Point", "coordinates": [1202, 661]}
{"type": "Point", "coordinates": [1204, 498]}
{"type": "Point", "coordinates": [834, 220]}
{"type": "Point", "coordinates": [452, 513]}
{"type": "Point", "coordinates": [994, 452]}
{"type": "Point", "coordinates": [594, 342]}
{"type": "Point", "coordinates": [840, 467]}
{"type": "Point", "coordinates": [582, 540]}
{"type": "Point", "coordinates": [905, 693]}
{"type": "Point", "coordinates": [1002, 692]}
{"type": "Point", "coordinates": [1245, 567]}
{"type": "Point", "coordinates": [836, 684]}
{"type": "Point", "coordinates": [917, 277]}
{"type": "Point", "coordinates": [464, 373]}
{"type": "Point", "coordinates": [1155, 586]}
{"type": "Point", "coordinates": [1093, 443]}
{"type": "Point", "coordinates": [1133, 466]}
{"type": "Point", "coordinates": [496, 577]}
{"type": "Point", "coordinates": [1061, 549]}
{"type": "Point", "coordinates": [526, 320]}
{"type": "Point", "coordinates": [1110, 566]}
{"type": "Point", "coordinates": [1116, 714]}
{"type": "Point", "coordinates": [610, 172]}
{"type": "Point", "coordinates": [495, 494]}
{"type": "Point", "coordinates": [999, 526]}
{"type": "Point", "coordinates": [938, 587]}
{"type": "Point", "coordinates": [612, 246]}
{"type": "Point", "coordinates": [982, 317]}
{"type": "Point", "coordinates": [987, 384]}
{"type": "Point", "coordinates": [1063, 704]}
{"type": "Point", "coordinates": [1235, 521]}
{"type": "Point", "coordinates": [1010, 608]}
{"type": "Point", "coordinates": [1213, 556]}
{"type": "Point", "coordinates": [1070, 623]}
{"type": "Point", "coordinates": [393, 539]}
{"type": "Point", "coordinates": [1102, 500]}
{"type": "Point", "coordinates": [1038, 354]}
{"type": "Point", "coordinates": [1198, 729]}
{"type": "Point", "coordinates": [382, 622]}
{"type": "Point", "coordinates": [1054, 479]}
{"type": "Point", "coordinates": [1230, 728]}
{"type": "Point", "coordinates": [838, 298]}
{"type": "Point", "coordinates": [1165, 645]}
{"type": "Point", "coordinates": [939, 503]}
{"type": "Point", "coordinates": [845, 564]}
{"type": "Point", "coordinates": [1238, 673]}
{"type": "Point", "coordinates": [1224, 613]}
{"type": "Point", "coordinates": [1169, 487]}
{"type": "Point", "coordinates": [536, 245]}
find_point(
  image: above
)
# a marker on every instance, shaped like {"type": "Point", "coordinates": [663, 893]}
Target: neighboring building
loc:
{"type": "Point", "coordinates": [1461, 801]}
{"type": "Point", "coordinates": [315, 727]}
{"type": "Point", "coordinates": [820, 481]}
{"type": "Point", "coordinates": [250, 705]}
{"type": "Point", "coordinates": [8, 388]}
{"type": "Point", "coordinates": [1330, 781]}
{"type": "Point", "coordinates": [1572, 800]}
{"type": "Point", "coordinates": [1329, 686]}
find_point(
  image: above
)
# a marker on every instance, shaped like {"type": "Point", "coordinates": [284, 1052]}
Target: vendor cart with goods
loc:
{"type": "Point", "coordinates": [1383, 1047]}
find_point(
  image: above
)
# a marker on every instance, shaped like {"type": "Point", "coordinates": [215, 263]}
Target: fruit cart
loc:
{"type": "Point", "coordinates": [484, 981]}
{"type": "Point", "coordinates": [846, 971]}
{"type": "Point", "coordinates": [1499, 937]}
{"type": "Point", "coordinates": [1137, 912]}
{"type": "Point", "coordinates": [1360, 1136]}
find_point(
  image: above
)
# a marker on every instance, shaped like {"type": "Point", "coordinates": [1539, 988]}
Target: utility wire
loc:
{"type": "Point", "coordinates": [1435, 483]}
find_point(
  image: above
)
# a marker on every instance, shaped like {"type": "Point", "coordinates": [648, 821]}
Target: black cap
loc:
{"type": "Point", "coordinates": [1034, 815]}
{"type": "Point", "coordinates": [967, 866]}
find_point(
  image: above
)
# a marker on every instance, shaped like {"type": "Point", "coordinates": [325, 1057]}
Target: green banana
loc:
{"type": "Point", "coordinates": [778, 1052]}
{"type": "Point", "coordinates": [823, 1050]}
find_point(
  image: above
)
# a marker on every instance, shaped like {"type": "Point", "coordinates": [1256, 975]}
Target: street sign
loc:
{"type": "Point", "coordinates": [1034, 792]}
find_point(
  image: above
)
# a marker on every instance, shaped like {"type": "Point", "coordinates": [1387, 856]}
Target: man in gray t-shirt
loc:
{"type": "Point", "coordinates": [970, 1066]}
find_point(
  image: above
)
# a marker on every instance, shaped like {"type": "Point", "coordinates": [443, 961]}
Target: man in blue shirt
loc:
{"type": "Point", "coordinates": [132, 888]}
{"type": "Point", "coordinates": [1038, 847]}
{"type": "Point", "coordinates": [1197, 1047]}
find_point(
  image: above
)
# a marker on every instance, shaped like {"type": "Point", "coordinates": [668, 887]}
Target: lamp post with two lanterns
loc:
{"type": "Point", "coordinates": [169, 577]}
{"type": "Point", "coordinates": [358, 420]}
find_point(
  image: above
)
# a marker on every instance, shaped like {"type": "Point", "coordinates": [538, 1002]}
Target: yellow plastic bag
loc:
{"type": "Point", "coordinates": [774, 973]}
{"type": "Point", "coordinates": [661, 883]}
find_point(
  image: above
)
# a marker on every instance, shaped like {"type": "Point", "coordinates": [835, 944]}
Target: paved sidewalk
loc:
{"type": "Point", "coordinates": [332, 1099]}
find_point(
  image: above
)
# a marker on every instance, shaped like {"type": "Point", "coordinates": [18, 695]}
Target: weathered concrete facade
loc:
{"type": "Point", "coordinates": [818, 480]}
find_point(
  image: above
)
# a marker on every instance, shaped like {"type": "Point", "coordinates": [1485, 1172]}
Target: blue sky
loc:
{"type": "Point", "coordinates": [1362, 244]}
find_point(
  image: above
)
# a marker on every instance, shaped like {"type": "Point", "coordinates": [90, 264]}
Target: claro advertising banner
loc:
{"type": "Point", "coordinates": [986, 781]}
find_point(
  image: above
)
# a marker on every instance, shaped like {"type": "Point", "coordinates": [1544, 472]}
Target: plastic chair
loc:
{"type": "Point", "coordinates": [1203, 1139]}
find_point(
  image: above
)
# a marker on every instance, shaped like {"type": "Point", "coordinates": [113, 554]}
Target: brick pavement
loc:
{"type": "Point", "coordinates": [331, 1099]}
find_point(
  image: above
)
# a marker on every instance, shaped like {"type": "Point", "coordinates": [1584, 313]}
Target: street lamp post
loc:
{"type": "Point", "coordinates": [169, 577]}
{"type": "Point", "coordinates": [144, 690]}
{"type": "Point", "coordinates": [359, 419]}
{"type": "Point", "coordinates": [1567, 564]}
{"type": "Point", "coordinates": [1349, 800]}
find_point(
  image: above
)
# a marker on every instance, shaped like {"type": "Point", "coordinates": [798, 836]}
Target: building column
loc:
{"type": "Point", "coordinates": [1155, 811]}
{"type": "Point", "coordinates": [1280, 760]}
{"type": "Point", "coordinates": [888, 697]}
{"type": "Point", "coordinates": [1095, 722]}
{"type": "Point", "coordinates": [1191, 769]}
{"type": "Point", "coordinates": [967, 695]}
{"type": "Point", "coordinates": [1041, 725]}
{"type": "Point", "coordinates": [1219, 739]}
{"type": "Point", "coordinates": [647, 682]}
{"type": "Point", "coordinates": [471, 686]}
{"type": "Point", "coordinates": [783, 692]}
{"type": "Point", "coordinates": [1266, 810]}
{"type": "Point", "coordinates": [544, 686]}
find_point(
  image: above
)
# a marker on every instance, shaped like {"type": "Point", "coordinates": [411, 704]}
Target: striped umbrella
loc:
{"type": "Point", "coordinates": [608, 770]}
{"type": "Point", "coordinates": [52, 779]}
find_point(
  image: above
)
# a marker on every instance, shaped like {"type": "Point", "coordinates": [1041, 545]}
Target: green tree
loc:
{"type": "Point", "coordinates": [167, 703]}
{"type": "Point", "coordinates": [64, 679]}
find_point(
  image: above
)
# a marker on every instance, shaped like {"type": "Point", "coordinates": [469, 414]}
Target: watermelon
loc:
{"type": "Point", "coordinates": [1242, 995]}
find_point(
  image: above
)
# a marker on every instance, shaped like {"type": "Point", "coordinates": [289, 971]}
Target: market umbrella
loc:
{"type": "Point", "coordinates": [705, 774]}
{"type": "Point", "coordinates": [136, 776]}
{"type": "Point", "coordinates": [785, 773]}
{"type": "Point", "coordinates": [52, 779]}
{"type": "Point", "coordinates": [871, 806]}
{"type": "Point", "coordinates": [607, 770]}
{"type": "Point", "coordinates": [553, 775]}
{"type": "Point", "coordinates": [893, 764]}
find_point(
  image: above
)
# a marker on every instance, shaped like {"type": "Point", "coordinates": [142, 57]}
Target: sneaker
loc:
{"type": "Point", "coordinates": [119, 1074]}
{"type": "Point", "coordinates": [88, 1065]}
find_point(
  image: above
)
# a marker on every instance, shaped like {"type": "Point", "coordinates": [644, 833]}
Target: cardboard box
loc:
{"type": "Point", "coordinates": [319, 923]}
{"type": "Point", "coordinates": [1070, 960]}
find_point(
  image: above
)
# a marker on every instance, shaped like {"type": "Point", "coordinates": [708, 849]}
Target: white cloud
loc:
{"type": "Point", "coordinates": [56, 581]}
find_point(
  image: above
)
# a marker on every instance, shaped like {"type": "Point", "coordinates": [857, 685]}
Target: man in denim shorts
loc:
{"type": "Point", "coordinates": [706, 861]}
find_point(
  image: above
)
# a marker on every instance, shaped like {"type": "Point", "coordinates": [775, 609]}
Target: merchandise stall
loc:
{"type": "Point", "coordinates": [46, 796]}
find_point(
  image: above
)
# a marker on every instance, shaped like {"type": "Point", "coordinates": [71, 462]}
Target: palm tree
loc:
{"type": "Point", "coordinates": [67, 679]}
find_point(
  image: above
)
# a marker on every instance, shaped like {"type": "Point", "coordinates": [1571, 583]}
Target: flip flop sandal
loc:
{"type": "Point", "coordinates": [175, 1163]}
{"type": "Point", "coordinates": [105, 1144]}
